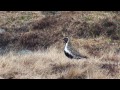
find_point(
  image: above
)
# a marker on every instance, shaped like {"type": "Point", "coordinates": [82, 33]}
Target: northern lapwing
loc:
{"type": "Point", "coordinates": [71, 52]}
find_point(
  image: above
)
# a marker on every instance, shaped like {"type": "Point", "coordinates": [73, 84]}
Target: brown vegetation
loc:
{"type": "Point", "coordinates": [96, 34]}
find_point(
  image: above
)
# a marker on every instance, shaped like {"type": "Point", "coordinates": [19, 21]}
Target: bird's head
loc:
{"type": "Point", "coordinates": [66, 39]}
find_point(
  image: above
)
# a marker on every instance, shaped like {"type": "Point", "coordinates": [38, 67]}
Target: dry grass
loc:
{"type": "Point", "coordinates": [53, 64]}
{"type": "Point", "coordinates": [16, 19]}
{"type": "Point", "coordinates": [33, 30]}
{"type": "Point", "coordinates": [96, 34]}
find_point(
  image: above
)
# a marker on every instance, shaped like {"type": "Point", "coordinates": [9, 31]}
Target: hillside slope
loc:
{"type": "Point", "coordinates": [31, 44]}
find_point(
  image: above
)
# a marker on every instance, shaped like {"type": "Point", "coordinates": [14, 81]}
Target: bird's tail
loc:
{"type": "Point", "coordinates": [85, 57]}
{"type": "Point", "coordinates": [82, 57]}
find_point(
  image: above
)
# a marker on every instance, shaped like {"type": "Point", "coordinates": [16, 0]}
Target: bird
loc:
{"type": "Point", "coordinates": [71, 52]}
